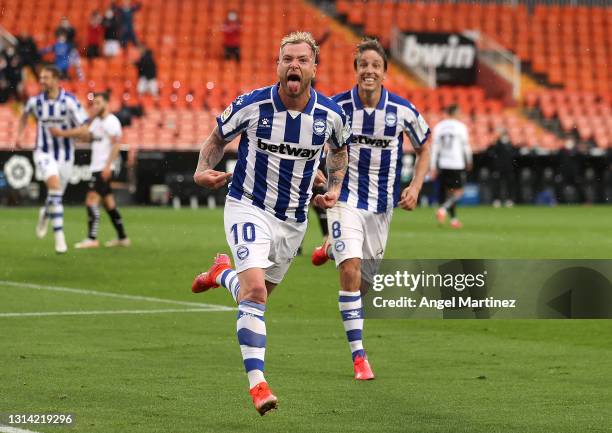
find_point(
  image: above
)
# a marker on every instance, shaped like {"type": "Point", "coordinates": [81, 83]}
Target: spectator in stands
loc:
{"type": "Point", "coordinates": [126, 22]}
{"type": "Point", "coordinates": [28, 52]}
{"type": "Point", "coordinates": [503, 156]}
{"type": "Point", "coordinates": [13, 71]}
{"type": "Point", "coordinates": [111, 33]}
{"type": "Point", "coordinates": [62, 50]}
{"type": "Point", "coordinates": [66, 29]}
{"type": "Point", "coordinates": [231, 36]}
{"type": "Point", "coordinates": [95, 35]}
{"type": "Point", "coordinates": [147, 72]}
{"type": "Point", "coordinates": [4, 82]}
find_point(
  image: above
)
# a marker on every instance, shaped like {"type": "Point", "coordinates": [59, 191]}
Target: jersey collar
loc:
{"type": "Point", "coordinates": [359, 105]}
{"type": "Point", "coordinates": [278, 103]}
{"type": "Point", "coordinates": [59, 95]}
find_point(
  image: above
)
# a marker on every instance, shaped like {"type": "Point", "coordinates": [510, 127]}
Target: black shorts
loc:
{"type": "Point", "coordinates": [452, 179]}
{"type": "Point", "coordinates": [100, 185]}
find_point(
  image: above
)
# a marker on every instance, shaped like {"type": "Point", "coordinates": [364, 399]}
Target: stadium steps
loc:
{"type": "Point", "coordinates": [581, 115]}
{"type": "Point", "coordinates": [355, 33]}
{"type": "Point", "coordinates": [192, 91]}
{"type": "Point", "coordinates": [484, 117]}
{"type": "Point", "coordinates": [565, 46]}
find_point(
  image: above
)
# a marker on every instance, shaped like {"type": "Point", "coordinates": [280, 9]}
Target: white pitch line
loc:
{"type": "Point", "coordinates": [114, 295]}
{"type": "Point", "coordinates": [7, 429]}
{"type": "Point", "coordinates": [100, 312]}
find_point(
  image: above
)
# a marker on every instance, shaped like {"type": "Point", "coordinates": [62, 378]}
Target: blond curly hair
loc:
{"type": "Point", "coordinates": [298, 38]}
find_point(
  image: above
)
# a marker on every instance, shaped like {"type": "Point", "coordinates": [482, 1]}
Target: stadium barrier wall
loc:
{"type": "Point", "coordinates": [19, 184]}
{"type": "Point", "coordinates": [165, 178]}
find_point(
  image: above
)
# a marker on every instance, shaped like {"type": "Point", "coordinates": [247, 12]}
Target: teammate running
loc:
{"type": "Point", "coordinates": [53, 157]}
{"type": "Point", "coordinates": [359, 223]}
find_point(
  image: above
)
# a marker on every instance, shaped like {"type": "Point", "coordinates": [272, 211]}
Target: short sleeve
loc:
{"type": "Point", "coordinates": [234, 118]}
{"type": "Point", "coordinates": [415, 127]}
{"type": "Point", "coordinates": [77, 112]}
{"type": "Point", "coordinates": [30, 106]}
{"type": "Point", "coordinates": [341, 133]}
{"type": "Point", "coordinates": [113, 128]}
{"type": "Point", "coordinates": [466, 135]}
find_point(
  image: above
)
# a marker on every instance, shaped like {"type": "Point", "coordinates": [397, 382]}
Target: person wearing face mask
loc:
{"type": "Point", "coordinates": [282, 129]}
{"type": "Point", "coordinates": [359, 224]}
{"type": "Point", "coordinates": [231, 37]}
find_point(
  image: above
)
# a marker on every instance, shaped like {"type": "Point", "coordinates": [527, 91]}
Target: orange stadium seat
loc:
{"type": "Point", "coordinates": [196, 83]}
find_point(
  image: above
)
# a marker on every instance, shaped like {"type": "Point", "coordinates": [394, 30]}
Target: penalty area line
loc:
{"type": "Point", "coordinates": [103, 312]}
{"type": "Point", "coordinates": [88, 292]}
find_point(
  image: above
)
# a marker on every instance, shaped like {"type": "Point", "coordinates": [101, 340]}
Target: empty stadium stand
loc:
{"type": "Point", "coordinates": [196, 82]}
{"type": "Point", "coordinates": [568, 47]}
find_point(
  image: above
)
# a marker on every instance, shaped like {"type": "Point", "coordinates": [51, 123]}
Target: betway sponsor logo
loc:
{"type": "Point", "coordinates": [373, 142]}
{"type": "Point", "coordinates": [449, 55]}
{"type": "Point", "coordinates": [287, 149]}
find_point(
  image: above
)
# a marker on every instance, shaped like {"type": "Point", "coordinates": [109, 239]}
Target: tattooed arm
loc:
{"type": "Point", "coordinates": [210, 155]}
{"type": "Point", "coordinates": [337, 161]}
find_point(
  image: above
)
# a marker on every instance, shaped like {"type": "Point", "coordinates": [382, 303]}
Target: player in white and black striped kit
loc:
{"type": "Point", "coordinates": [104, 133]}
{"type": "Point", "coordinates": [451, 158]}
{"type": "Point", "coordinates": [53, 156]}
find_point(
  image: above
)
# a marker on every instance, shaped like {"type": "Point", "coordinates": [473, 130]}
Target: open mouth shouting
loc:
{"type": "Point", "coordinates": [294, 81]}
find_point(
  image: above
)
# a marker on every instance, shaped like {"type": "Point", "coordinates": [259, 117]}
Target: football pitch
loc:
{"type": "Point", "coordinates": [116, 337]}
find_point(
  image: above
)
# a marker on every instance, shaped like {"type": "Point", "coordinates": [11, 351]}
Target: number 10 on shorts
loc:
{"type": "Point", "coordinates": [247, 231]}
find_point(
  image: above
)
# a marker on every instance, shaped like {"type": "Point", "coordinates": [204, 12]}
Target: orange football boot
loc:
{"type": "Point", "coordinates": [208, 279]}
{"type": "Point", "coordinates": [263, 399]}
{"type": "Point", "coordinates": [319, 255]}
{"type": "Point", "coordinates": [362, 368]}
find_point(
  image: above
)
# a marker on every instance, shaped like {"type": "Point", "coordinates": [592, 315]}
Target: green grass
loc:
{"type": "Point", "coordinates": [182, 372]}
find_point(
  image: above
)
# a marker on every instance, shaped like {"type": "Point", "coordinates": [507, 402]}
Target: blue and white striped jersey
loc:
{"type": "Point", "coordinates": [372, 181]}
{"type": "Point", "coordinates": [64, 112]}
{"type": "Point", "coordinates": [279, 150]}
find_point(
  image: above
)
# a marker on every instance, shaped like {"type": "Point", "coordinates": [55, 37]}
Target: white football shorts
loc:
{"type": "Point", "coordinates": [357, 233]}
{"type": "Point", "coordinates": [260, 240]}
{"type": "Point", "coordinates": [47, 166]}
